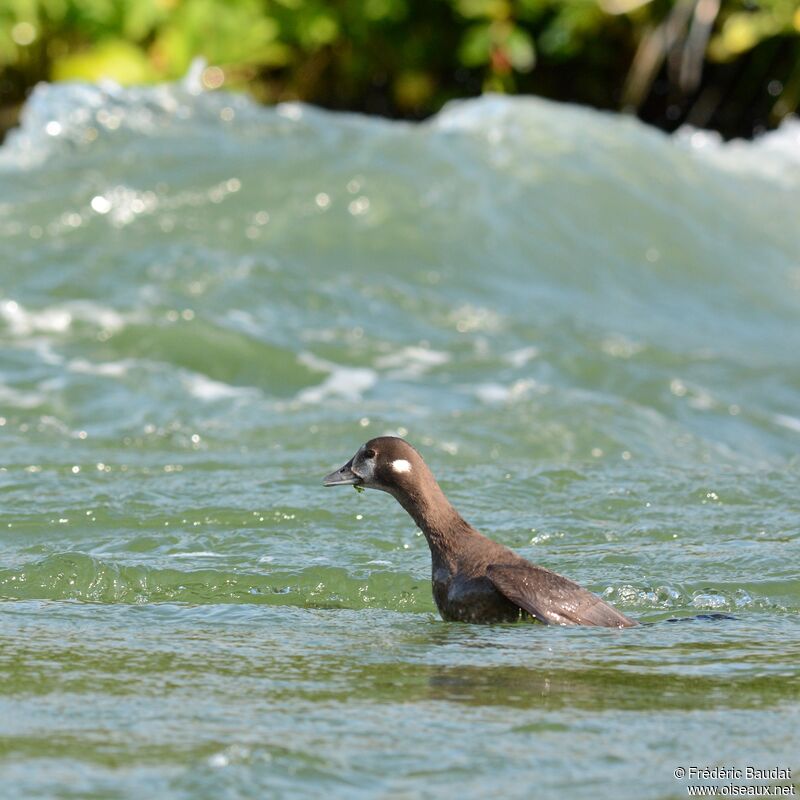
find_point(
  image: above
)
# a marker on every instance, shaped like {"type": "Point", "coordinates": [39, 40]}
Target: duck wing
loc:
{"type": "Point", "coordinates": [552, 598]}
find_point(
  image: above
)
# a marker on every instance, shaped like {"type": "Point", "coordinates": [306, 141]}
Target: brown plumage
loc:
{"type": "Point", "coordinates": [474, 578]}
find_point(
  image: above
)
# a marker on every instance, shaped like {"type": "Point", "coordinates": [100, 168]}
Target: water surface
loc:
{"type": "Point", "coordinates": [588, 328]}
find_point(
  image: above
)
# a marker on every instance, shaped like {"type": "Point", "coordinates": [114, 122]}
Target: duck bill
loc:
{"type": "Point", "coordinates": [344, 476]}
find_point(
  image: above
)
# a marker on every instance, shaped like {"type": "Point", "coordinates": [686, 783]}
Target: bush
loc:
{"type": "Point", "coordinates": [732, 64]}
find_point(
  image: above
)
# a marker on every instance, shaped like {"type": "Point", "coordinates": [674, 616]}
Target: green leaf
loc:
{"type": "Point", "coordinates": [476, 46]}
{"type": "Point", "coordinates": [114, 60]}
{"type": "Point", "coordinates": [520, 51]}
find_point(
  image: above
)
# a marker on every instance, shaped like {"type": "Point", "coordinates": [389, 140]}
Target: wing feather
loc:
{"type": "Point", "coordinates": [552, 598]}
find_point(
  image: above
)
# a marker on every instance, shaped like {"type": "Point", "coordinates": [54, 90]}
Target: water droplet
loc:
{"type": "Point", "coordinates": [100, 204]}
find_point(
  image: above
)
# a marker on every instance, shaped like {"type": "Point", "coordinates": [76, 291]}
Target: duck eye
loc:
{"type": "Point", "coordinates": [369, 453]}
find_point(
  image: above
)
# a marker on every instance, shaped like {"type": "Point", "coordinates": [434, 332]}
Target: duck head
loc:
{"type": "Point", "coordinates": [387, 463]}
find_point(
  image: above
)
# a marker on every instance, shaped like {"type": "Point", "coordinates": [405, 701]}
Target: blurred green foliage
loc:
{"type": "Point", "coordinates": [407, 57]}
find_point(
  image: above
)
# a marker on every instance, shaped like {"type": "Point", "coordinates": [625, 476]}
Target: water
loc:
{"type": "Point", "coordinates": [589, 329]}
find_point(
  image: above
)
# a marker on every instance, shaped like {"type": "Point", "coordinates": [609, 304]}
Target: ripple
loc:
{"type": "Point", "coordinates": [76, 576]}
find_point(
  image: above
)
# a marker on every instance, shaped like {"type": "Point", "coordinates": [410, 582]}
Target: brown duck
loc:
{"type": "Point", "coordinates": [474, 578]}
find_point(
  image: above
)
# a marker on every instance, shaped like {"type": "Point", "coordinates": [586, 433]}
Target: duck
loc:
{"type": "Point", "coordinates": [474, 579]}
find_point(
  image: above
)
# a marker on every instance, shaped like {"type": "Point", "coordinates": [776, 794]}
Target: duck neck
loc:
{"type": "Point", "coordinates": [435, 516]}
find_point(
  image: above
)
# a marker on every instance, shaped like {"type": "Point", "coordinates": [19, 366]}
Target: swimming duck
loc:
{"type": "Point", "coordinates": [474, 578]}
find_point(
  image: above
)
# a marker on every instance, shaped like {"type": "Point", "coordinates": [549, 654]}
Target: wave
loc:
{"type": "Point", "coordinates": [68, 117]}
{"type": "Point", "coordinates": [78, 576]}
{"type": "Point", "coordinates": [85, 578]}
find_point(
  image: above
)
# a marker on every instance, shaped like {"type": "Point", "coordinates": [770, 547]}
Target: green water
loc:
{"type": "Point", "coordinates": [591, 332]}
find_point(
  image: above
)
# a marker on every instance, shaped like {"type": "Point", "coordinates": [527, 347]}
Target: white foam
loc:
{"type": "Point", "coordinates": [9, 396]}
{"type": "Point", "coordinates": [110, 369]}
{"type": "Point", "coordinates": [491, 393]}
{"type": "Point", "coordinates": [58, 319]}
{"type": "Point", "coordinates": [63, 117]}
{"type": "Point", "coordinates": [21, 322]}
{"type": "Point", "coordinates": [349, 383]}
{"type": "Point", "coordinates": [412, 362]}
{"type": "Point", "coordinates": [205, 388]}
{"type": "Point", "coordinates": [774, 155]}
{"type": "Point", "coordinates": [519, 358]}
{"type": "Point", "coordinates": [197, 554]}
{"type": "Point", "coordinates": [497, 393]}
{"type": "Point", "coordinates": [785, 421]}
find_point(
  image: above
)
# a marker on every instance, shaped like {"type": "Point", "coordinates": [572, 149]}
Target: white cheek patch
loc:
{"type": "Point", "coordinates": [367, 470]}
{"type": "Point", "coordinates": [401, 465]}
